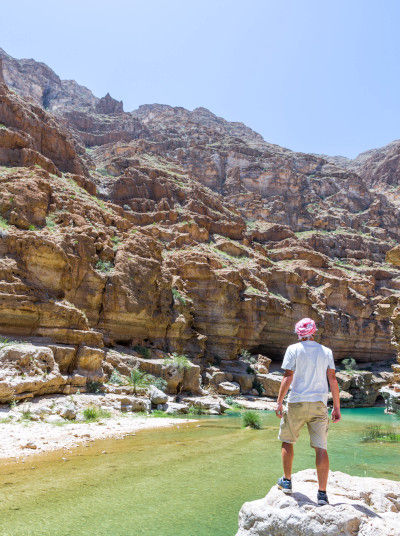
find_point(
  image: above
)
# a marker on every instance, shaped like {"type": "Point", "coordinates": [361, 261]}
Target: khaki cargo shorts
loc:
{"type": "Point", "coordinates": [296, 414]}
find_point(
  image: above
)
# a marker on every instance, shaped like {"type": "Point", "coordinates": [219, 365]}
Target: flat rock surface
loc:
{"type": "Point", "coordinates": [358, 507]}
{"type": "Point", "coordinates": [257, 403]}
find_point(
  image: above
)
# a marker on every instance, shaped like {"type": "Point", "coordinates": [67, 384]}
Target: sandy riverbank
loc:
{"type": "Point", "coordinates": [19, 440]}
{"type": "Point", "coordinates": [38, 426]}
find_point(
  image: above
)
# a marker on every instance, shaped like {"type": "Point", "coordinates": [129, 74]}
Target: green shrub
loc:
{"type": "Point", "coordinates": [50, 223]}
{"type": "Point", "coordinates": [377, 432]}
{"type": "Point", "coordinates": [32, 228]}
{"type": "Point", "coordinates": [178, 296]}
{"type": "Point", "coordinates": [6, 342]}
{"type": "Point", "coordinates": [92, 414]}
{"type": "Point", "coordinates": [26, 415]}
{"type": "Point", "coordinates": [252, 290]}
{"type": "Point", "coordinates": [158, 382]}
{"type": "Point", "coordinates": [193, 410]}
{"type": "Point", "coordinates": [229, 400]}
{"type": "Point", "coordinates": [94, 387]}
{"type": "Point", "coordinates": [181, 362]}
{"type": "Point", "coordinates": [3, 223]}
{"type": "Point", "coordinates": [142, 350]}
{"type": "Point", "coordinates": [104, 266]}
{"type": "Point", "coordinates": [246, 356]}
{"type": "Point", "coordinates": [350, 364]}
{"type": "Point", "coordinates": [258, 387]}
{"type": "Point", "coordinates": [116, 378]}
{"type": "Point", "coordinates": [159, 413]}
{"type": "Point", "coordinates": [104, 172]}
{"type": "Point", "coordinates": [251, 419]}
{"type": "Point", "coordinates": [13, 403]}
{"type": "Point", "coordinates": [115, 240]}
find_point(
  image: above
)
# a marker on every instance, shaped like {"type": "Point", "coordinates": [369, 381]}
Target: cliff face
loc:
{"type": "Point", "coordinates": [182, 231]}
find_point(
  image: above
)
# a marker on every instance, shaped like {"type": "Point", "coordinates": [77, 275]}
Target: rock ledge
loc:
{"type": "Point", "coordinates": [358, 507]}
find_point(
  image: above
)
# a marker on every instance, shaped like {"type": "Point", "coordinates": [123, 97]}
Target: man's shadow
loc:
{"type": "Point", "coordinates": [302, 499]}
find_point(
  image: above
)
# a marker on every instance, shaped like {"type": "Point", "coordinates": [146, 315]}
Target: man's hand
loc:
{"type": "Point", "coordinates": [283, 389]}
{"type": "Point", "coordinates": [335, 415]}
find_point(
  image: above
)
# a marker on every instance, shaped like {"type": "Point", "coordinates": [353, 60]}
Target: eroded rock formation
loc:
{"type": "Point", "coordinates": [108, 105]}
{"type": "Point", "coordinates": [359, 506]}
{"type": "Point", "coordinates": [179, 231]}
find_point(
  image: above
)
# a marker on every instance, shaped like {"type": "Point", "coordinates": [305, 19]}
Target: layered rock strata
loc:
{"type": "Point", "coordinates": [182, 232]}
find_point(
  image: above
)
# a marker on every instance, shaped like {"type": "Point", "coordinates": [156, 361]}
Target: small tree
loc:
{"type": "Point", "coordinates": [251, 360]}
{"type": "Point", "coordinates": [180, 362]}
{"type": "Point", "coordinates": [138, 379]}
{"type": "Point", "coordinates": [350, 364]}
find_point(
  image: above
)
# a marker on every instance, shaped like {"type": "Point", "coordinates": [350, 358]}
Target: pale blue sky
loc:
{"type": "Point", "coordinates": [312, 75]}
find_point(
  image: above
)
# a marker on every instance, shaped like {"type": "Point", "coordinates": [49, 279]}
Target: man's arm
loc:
{"type": "Point", "coordinates": [284, 388]}
{"type": "Point", "coordinates": [335, 394]}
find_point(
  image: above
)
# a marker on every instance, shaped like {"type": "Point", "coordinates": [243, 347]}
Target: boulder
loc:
{"type": "Point", "coordinates": [263, 364]}
{"type": "Point", "coordinates": [271, 383]}
{"type": "Point", "coordinates": [358, 507]}
{"type": "Point", "coordinates": [156, 396]}
{"type": "Point", "coordinates": [211, 405]}
{"type": "Point", "coordinates": [175, 407]}
{"type": "Point", "coordinates": [344, 380]}
{"type": "Point", "coordinates": [365, 388]}
{"type": "Point", "coordinates": [134, 403]}
{"type": "Point", "coordinates": [217, 377]}
{"type": "Point", "coordinates": [392, 399]}
{"type": "Point", "coordinates": [245, 381]}
{"type": "Point", "coordinates": [27, 370]}
{"type": "Point", "coordinates": [229, 388]}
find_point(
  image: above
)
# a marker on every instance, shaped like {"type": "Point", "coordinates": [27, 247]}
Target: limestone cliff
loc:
{"type": "Point", "coordinates": [178, 230]}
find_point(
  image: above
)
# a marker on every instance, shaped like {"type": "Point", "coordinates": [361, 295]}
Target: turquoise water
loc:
{"type": "Point", "coordinates": [186, 481]}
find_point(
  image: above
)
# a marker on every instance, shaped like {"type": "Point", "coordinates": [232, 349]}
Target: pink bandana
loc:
{"type": "Point", "coordinates": [305, 327]}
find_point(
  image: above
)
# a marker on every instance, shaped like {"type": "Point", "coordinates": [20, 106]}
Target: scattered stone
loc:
{"type": "Point", "coordinates": [29, 445]}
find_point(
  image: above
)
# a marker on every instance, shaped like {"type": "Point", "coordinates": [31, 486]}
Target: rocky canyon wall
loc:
{"type": "Point", "coordinates": [181, 231]}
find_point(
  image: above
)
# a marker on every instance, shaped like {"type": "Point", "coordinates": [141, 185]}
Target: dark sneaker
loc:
{"type": "Point", "coordinates": [285, 485]}
{"type": "Point", "coordinates": [322, 498]}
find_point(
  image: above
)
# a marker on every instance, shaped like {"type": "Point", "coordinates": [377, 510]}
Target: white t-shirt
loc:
{"type": "Point", "coordinates": [310, 361]}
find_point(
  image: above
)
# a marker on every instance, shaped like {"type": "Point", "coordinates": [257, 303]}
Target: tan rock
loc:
{"type": "Point", "coordinates": [89, 361]}
{"type": "Point", "coordinates": [359, 506]}
{"type": "Point", "coordinates": [271, 383]}
{"type": "Point", "coordinates": [229, 388]}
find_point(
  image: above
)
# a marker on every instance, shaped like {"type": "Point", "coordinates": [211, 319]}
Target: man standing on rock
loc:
{"type": "Point", "coordinates": [308, 367]}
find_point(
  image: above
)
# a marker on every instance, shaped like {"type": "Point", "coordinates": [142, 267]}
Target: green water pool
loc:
{"type": "Point", "coordinates": [186, 481]}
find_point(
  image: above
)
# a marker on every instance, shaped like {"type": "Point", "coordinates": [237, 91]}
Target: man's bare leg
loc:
{"type": "Point", "coordinates": [322, 463]}
{"type": "Point", "coordinates": [287, 459]}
